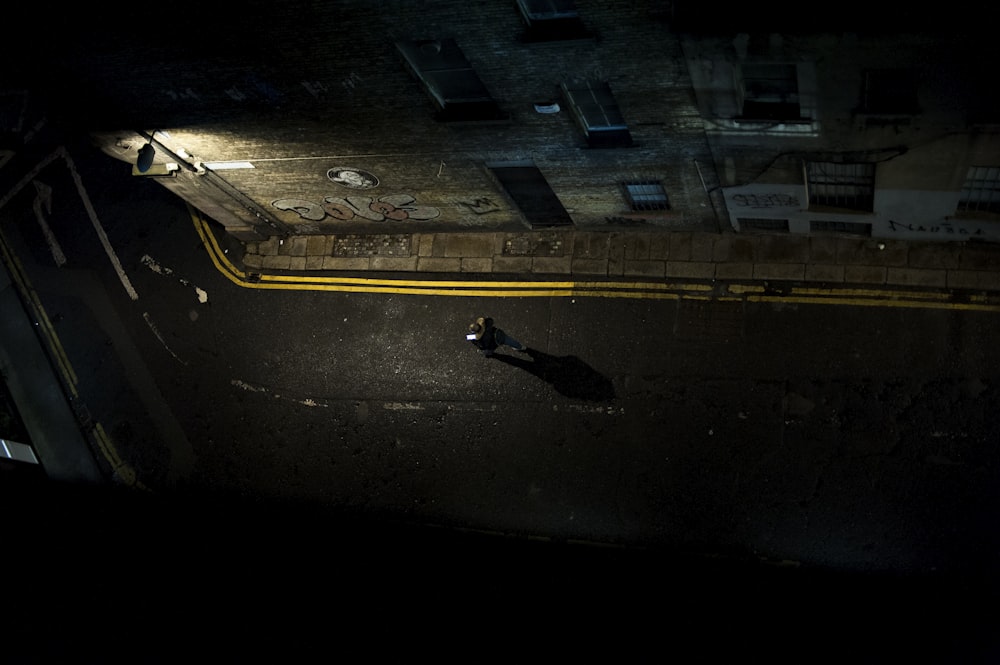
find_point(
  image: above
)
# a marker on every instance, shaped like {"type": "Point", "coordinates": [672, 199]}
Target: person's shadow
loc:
{"type": "Point", "coordinates": [569, 375]}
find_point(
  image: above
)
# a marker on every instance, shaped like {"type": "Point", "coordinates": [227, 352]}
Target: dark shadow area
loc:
{"type": "Point", "coordinates": [569, 375]}
{"type": "Point", "coordinates": [97, 572]}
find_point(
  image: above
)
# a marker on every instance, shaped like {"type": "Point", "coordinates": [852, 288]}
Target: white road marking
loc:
{"type": "Point", "coordinates": [249, 387]}
{"type": "Point", "coordinates": [149, 322]}
{"type": "Point", "coordinates": [587, 408]}
{"type": "Point", "coordinates": [97, 227]}
{"type": "Point", "coordinates": [151, 263]}
{"type": "Point", "coordinates": [44, 200]}
{"type": "Point", "coordinates": [402, 406]}
{"type": "Point", "coordinates": [59, 152]}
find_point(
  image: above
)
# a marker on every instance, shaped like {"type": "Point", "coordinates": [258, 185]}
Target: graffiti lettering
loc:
{"type": "Point", "coordinates": [187, 93]}
{"type": "Point", "coordinates": [355, 206]}
{"type": "Point", "coordinates": [306, 209]}
{"type": "Point", "coordinates": [396, 207]}
{"type": "Point", "coordinates": [944, 228]}
{"type": "Point", "coordinates": [351, 81]}
{"type": "Point", "coordinates": [315, 88]}
{"type": "Point", "coordinates": [765, 200]}
{"type": "Point", "coordinates": [481, 206]}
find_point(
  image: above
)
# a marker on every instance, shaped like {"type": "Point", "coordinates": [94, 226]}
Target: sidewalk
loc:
{"type": "Point", "coordinates": [864, 262]}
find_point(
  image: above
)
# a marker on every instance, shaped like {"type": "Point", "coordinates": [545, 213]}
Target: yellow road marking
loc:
{"type": "Point", "coordinates": [125, 472]}
{"type": "Point", "coordinates": [56, 349]}
{"type": "Point", "coordinates": [62, 362]}
{"type": "Point", "coordinates": [433, 287]}
{"type": "Point", "coordinates": [849, 292]}
{"type": "Point", "coordinates": [884, 302]}
{"type": "Point", "coordinates": [595, 289]}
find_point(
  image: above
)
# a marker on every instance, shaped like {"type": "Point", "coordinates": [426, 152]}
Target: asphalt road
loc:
{"type": "Point", "coordinates": [736, 455]}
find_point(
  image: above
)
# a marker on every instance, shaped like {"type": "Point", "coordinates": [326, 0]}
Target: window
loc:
{"type": "Point", "coordinates": [851, 228]}
{"type": "Point", "coordinates": [770, 92]}
{"type": "Point", "coordinates": [550, 20]}
{"type": "Point", "coordinates": [762, 224]}
{"type": "Point", "coordinates": [598, 114]}
{"type": "Point", "coordinates": [892, 91]}
{"type": "Point", "coordinates": [449, 79]}
{"type": "Point", "coordinates": [647, 195]}
{"type": "Point", "coordinates": [841, 185]}
{"type": "Point", "coordinates": [981, 191]}
{"type": "Point", "coordinates": [531, 193]}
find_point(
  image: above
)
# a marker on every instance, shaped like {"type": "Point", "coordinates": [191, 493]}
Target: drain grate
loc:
{"type": "Point", "coordinates": [539, 244]}
{"type": "Point", "coordinates": [372, 245]}
{"type": "Point", "coordinates": [711, 321]}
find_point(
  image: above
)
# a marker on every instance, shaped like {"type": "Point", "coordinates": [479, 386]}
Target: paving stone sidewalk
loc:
{"type": "Point", "coordinates": [540, 255]}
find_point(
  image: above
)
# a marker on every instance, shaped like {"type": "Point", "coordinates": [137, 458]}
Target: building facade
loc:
{"type": "Point", "coordinates": [402, 116]}
{"type": "Point", "coordinates": [859, 134]}
{"type": "Point", "coordinates": [436, 116]}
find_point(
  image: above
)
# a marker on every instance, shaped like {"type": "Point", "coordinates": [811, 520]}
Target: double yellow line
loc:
{"type": "Point", "coordinates": [523, 289]}
{"type": "Point", "coordinates": [57, 353]}
{"type": "Point", "coordinates": [602, 289]}
{"type": "Point", "coordinates": [870, 297]}
{"type": "Point", "coordinates": [56, 350]}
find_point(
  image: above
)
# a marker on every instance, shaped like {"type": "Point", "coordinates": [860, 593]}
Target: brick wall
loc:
{"type": "Point", "coordinates": [300, 88]}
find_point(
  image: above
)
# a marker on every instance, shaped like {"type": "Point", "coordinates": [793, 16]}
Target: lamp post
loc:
{"type": "Point", "coordinates": [148, 152]}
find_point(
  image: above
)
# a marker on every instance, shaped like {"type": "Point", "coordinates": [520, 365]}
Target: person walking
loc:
{"type": "Point", "coordinates": [486, 337]}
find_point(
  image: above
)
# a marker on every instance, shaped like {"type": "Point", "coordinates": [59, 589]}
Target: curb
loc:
{"type": "Point", "coordinates": [562, 255]}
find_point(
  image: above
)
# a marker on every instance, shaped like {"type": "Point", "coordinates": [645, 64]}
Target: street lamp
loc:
{"type": "Point", "coordinates": [146, 154]}
{"type": "Point", "coordinates": [144, 163]}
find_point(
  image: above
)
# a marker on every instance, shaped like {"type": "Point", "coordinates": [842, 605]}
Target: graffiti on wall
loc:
{"type": "Point", "coordinates": [480, 206]}
{"type": "Point", "coordinates": [352, 178]}
{"type": "Point", "coordinates": [315, 88]}
{"type": "Point", "coordinates": [943, 228]}
{"type": "Point", "coordinates": [397, 207]}
{"type": "Point", "coordinates": [765, 201]}
{"type": "Point", "coordinates": [350, 82]}
{"type": "Point", "coordinates": [186, 94]}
